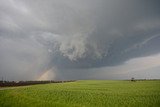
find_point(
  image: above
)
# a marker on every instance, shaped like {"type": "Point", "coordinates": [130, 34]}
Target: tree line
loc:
{"type": "Point", "coordinates": [24, 83]}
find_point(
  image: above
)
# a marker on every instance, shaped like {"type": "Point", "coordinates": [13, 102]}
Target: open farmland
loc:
{"type": "Point", "coordinates": [84, 93]}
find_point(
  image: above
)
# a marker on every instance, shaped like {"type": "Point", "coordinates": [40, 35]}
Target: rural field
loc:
{"type": "Point", "coordinates": [84, 93]}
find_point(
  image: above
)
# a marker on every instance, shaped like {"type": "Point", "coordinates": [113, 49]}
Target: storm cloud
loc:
{"type": "Point", "coordinates": [78, 39]}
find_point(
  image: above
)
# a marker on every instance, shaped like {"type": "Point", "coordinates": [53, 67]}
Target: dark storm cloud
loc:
{"type": "Point", "coordinates": [75, 34]}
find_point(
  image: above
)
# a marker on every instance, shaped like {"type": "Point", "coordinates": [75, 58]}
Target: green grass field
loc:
{"type": "Point", "coordinates": [89, 93]}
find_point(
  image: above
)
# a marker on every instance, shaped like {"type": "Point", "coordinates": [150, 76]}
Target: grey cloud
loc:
{"type": "Point", "coordinates": [75, 34]}
{"type": "Point", "coordinates": [21, 58]}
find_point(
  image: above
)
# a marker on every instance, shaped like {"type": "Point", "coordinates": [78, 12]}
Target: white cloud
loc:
{"type": "Point", "coordinates": [131, 68]}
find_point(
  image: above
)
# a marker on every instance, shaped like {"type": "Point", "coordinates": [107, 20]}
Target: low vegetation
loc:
{"type": "Point", "coordinates": [89, 93]}
{"type": "Point", "coordinates": [24, 83]}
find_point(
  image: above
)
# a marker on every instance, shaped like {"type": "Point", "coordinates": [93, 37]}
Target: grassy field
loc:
{"type": "Point", "coordinates": [90, 93]}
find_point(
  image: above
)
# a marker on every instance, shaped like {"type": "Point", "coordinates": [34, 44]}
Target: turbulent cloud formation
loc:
{"type": "Point", "coordinates": [69, 39]}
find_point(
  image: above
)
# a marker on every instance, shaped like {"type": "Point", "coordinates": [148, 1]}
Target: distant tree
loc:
{"type": "Point", "coordinates": [132, 79]}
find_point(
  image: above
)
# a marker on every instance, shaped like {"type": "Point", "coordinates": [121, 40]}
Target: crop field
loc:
{"type": "Point", "coordinates": [84, 93]}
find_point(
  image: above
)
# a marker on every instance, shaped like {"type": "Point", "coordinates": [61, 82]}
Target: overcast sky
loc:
{"type": "Point", "coordinates": [79, 39]}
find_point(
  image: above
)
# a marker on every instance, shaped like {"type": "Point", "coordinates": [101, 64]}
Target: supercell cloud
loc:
{"type": "Point", "coordinates": [79, 39]}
